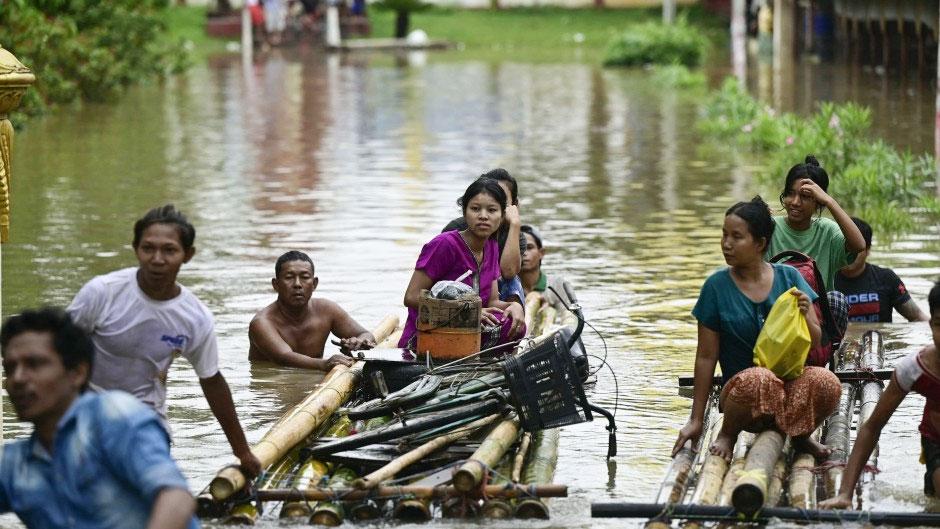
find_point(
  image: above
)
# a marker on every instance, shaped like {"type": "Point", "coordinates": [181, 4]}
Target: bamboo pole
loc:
{"type": "Point", "coordinates": [519, 460]}
{"type": "Point", "coordinates": [676, 481]}
{"type": "Point", "coordinates": [309, 475]}
{"type": "Point", "coordinates": [332, 513]}
{"type": "Point", "coordinates": [533, 300]}
{"type": "Point", "coordinates": [497, 443]}
{"type": "Point", "coordinates": [712, 474]}
{"type": "Point", "coordinates": [398, 464]}
{"type": "Point", "coordinates": [872, 357]}
{"type": "Point", "coordinates": [412, 510]}
{"type": "Point", "coordinates": [301, 421]}
{"type": "Point", "coordinates": [349, 494]}
{"type": "Point", "coordinates": [775, 489]}
{"type": "Point", "coordinates": [539, 471]}
{"type": "Point", "coordinates": [247, 513]}
{"type": "Point", "coordinates": [750, 492]}
{"type": "Point", "coordinates": [546, 318]}
{"type": "Point", "coordinates": [801, 483]}
{"type": "Point", "coordinates": [738, 459]}
{"type": "Point", "coordinates": [838, 428]}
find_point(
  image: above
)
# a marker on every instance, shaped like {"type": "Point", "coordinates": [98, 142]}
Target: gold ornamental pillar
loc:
{"type": "Point", "coordinates": [14, 80]}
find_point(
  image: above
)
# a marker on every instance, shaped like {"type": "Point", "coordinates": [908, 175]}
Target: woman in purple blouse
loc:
{"type": "Point", "coordinates": [452, 253]}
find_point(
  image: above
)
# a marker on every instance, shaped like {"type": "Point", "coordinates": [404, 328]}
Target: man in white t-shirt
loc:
{"type": "Point", "coordinates": [140, 318]}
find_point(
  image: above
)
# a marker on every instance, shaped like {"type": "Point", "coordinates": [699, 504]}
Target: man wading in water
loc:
{"type": "Point", "coordinates": [140, 318]}
{"type": "Point", "coordinates": [293, 330]}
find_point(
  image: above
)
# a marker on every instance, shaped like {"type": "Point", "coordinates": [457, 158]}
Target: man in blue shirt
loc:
{"type": "Point", "coordinates": [94, 460]}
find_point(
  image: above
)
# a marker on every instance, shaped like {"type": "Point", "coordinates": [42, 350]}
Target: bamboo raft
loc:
{"type": "Point", "coordinates": [325, 464]}
{"type": "Point", "coordinates": [766, 474]}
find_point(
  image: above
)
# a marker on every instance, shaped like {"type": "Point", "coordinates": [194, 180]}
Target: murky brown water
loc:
{"type": "Point", "coordinates": [358, 160]}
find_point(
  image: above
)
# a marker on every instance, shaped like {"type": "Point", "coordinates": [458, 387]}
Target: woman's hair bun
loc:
{"type": "Point", "coordinates": [759, 201]}
{"type": "Point", "coordinates": [811, 160]}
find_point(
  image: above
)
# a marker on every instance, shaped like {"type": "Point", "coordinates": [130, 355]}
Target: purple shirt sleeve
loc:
{"type": "Point", "coordinates": [437, 257]}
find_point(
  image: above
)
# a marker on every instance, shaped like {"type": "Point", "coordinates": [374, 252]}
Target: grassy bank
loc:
{"type": "Point", "coordinates": [870, 178]}
{"type": "Point", "coordinates": [543, 33]}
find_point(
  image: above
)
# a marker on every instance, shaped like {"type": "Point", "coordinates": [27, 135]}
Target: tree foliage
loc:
{"type": "Point", "coordinates": [86, 49]}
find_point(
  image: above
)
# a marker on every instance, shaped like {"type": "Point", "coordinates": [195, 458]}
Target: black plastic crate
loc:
{"type": "Point", "coordinates": [545, 386]}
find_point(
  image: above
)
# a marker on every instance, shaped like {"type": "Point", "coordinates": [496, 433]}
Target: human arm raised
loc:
{"type": "Point", "coordinates": [172, 509]}
{"type": "Point", "coordinates": [706, 358]}
{"type": "Point", "coordinates": [220, 401]}
{"type": "Point", "coordinates": [865, 442]}
{"type": "Point", "coordinates": [264, 336]}
{"type": "Point", "coordinates": [510, 260]}
{"type": "Point", "coordinates": [854, 242]}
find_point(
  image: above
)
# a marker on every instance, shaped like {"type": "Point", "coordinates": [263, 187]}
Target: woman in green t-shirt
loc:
{"type": "Point", "coordinates": [831, 243]}
{"type": "Point", "coordinates": [731, 310]}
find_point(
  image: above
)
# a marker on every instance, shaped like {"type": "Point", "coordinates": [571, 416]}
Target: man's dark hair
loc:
{"type": "Point", "coordinates": [502, 175]}
{"type": "Point", "coordinates": [167, 214]}
{"type": "Point", "coordinates": [865, 229]}
{"type": "Point", "coordinates": [292, 255]}
{"type": "Point", "coordinates": [68, 340]}
{"type": "Point", "coordinates": [933, 299]}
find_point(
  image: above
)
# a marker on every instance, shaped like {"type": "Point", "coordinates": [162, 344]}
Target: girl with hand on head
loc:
{"type": "Point", "coordinates": [452, 253]}
{"type": "Point", "coordinates": [731, 310]}
{"type": "Point", "coordinates": [831, 243]}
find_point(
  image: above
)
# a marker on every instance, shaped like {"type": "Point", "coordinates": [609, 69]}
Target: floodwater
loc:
{"type": "Point", "coordinates": [358, 160]}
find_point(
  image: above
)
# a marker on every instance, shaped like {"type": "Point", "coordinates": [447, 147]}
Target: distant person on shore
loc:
{"type": "Point", "coordinates": [918, 372]}
{"type": "Point", "coordinates": [536, 280]}
{"type": "Point", "coordinates": [510, 256]}
{"type": "Point", "coordinates": [731, 310]}
{"type": "Point", "coordinates": [874, 292]}
{"type": "Point", "coordinates": [452, 254]}
{"type": "Point", "coordinates": [94, 459]}
{"type": "Point", "coordinates": [293, 330]}
{"type": "Point", "coordinates": [140, 319]}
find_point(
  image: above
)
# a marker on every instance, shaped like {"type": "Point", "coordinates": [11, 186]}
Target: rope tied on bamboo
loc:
{"type": "Point", "coordinates": [869, 468]}
{"type": "Point", "coordinates": [756, 474]}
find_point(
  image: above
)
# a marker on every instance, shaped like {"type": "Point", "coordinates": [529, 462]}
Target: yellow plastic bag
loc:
{"type": "Point", "coordinates": [784, 340]}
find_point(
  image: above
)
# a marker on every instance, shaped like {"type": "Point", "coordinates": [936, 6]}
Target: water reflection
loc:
{"type": "Point", "coordinates": [358, 160]}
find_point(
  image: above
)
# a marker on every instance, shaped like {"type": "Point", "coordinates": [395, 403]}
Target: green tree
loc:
{"type": "Point", "coordinates": [86, 49]}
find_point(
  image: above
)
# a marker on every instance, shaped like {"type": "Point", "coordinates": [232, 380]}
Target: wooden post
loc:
{"type": "Point", "coordinates": [14, 80]}
{"type": "Point", "coordinates": [669, 11]}
{"type": "Point", "coordinates": [332, 33]}
{"type": "Point", "coordinates": [248, 42]}
{"type": "Point", "coordinates": [739, 40]}
{"type": "Point", "coordinates": [784, 39]}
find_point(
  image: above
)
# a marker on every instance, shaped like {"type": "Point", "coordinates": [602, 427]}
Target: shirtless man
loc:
{"type": "Point", "coordinates": [293, 330]}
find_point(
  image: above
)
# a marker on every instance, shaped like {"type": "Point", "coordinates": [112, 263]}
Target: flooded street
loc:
{"type": "Point", "coordinates": [358, 160]}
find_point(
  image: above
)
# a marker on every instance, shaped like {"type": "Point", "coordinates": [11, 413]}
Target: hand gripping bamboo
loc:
{"type": "Point", "coordinates": [301, 421]}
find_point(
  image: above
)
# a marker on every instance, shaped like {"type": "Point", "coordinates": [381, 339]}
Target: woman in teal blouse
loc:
{"type": "Point", "coordinates": [731, 309]}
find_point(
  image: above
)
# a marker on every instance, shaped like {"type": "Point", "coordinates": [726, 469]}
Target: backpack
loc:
{"type": "Point", "coordinates": [831, 337]}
